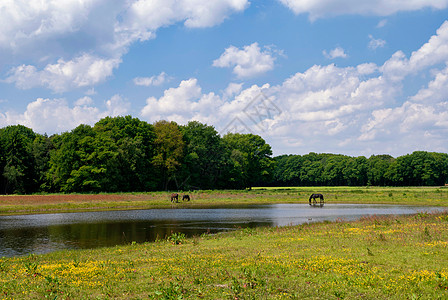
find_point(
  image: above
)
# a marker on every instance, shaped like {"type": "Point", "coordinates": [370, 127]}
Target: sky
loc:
{"type": "Point", "coordinates": [328, 76]}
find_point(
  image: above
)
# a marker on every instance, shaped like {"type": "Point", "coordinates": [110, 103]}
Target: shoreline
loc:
{"type": "Point", "coordinates": [51, 203]}
{"type": "Point", "coordinates": [377, 257]}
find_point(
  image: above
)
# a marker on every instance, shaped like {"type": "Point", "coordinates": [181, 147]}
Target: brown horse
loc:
{"type": "Point", "coordinates": [186, 198]}
{"type": "Point", "coordinates": [314, 196]}
{"type": "Point", "coordinates": [175, 196]}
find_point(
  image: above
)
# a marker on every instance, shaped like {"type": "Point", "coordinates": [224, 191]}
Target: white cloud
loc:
{"type": "Point", "coordinates": [232, 90]}
{"type": "Point", "coordinates": [24, 20]}
{"type": "Point", "coordinates": [335, 53]}
{"type": "Point", "coordinates": [155, 80]}
{"type": "Point", "coordinates": [182, 103]}
{"type": "Point", "coordinates": [381, 23]}
{"type": "Point", "coordinates": [355, 110]}
{"type": "Point", "coordinates": [41, 31]}
{"type": "Point", "coordinates": [432, 53]}
{"type": "Point", "coordinates": [83, 71]}
{"type": "Point", "coordinates": [436, 91]}
{"type": "Point", "coordinates": [376, 43]}
{"type": "Point", "coordinates": [149, 15]}
{"type": "Point", "coordinates": [247, 62]}
{"type": "Point", "coordinates": [84, 101]}
{"type": "Point", "coordinates": [417, 125]}
{"type": "Point", "coordinates": [56, 115]}
{"type": "Point", "coordinates": [321, 8]}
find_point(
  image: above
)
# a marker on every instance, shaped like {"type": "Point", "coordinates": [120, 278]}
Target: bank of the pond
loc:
{"type": "Point", "coordinates": [23, 204]}
{"type": "Point", "coordinates": [398, 257]}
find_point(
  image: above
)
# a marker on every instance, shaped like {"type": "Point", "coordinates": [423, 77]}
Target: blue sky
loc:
{"type": "Point", "coordinates": [350, 77]}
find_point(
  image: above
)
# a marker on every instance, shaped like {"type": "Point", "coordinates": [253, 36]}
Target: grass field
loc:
{"type": "Point", "coordinates": [434, 196]}
{"type": "Point", "coordinates": [396, 257]}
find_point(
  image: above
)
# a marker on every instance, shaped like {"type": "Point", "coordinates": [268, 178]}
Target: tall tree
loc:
{"type": "Point", "coordinates": [378, 166]}
{"type": "Point", "coordinates": [250, 159]}
{"type": "Point", "coordinates": [204, 156]}
{"type": "Point", "coordinates": [129, 167]}
{"type": "Point", "coordinates": [18, 165]}
{"type": "Point", "coordinates": [169, 151]}
{"type": "Point", "coordinates": [42, 148]}
{"type": "Point", "coordinates": [70, 164]}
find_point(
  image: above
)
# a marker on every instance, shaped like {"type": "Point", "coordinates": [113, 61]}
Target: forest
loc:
{"type": "Point", "coordinates": [125, 154]}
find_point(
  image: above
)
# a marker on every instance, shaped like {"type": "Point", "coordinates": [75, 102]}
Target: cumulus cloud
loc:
{"type": "Point", "coordinates": [335, 53]}
{"type": "Point", "coordinates": [83, 71]}
{"type": "Point", "coordinates": [357, 108]}
{"type": "Point", "coordinates": [247, 62]}
{"type": "Point", "coordinates": [182, 103]}
{"type": "Point", "coordinates": [232, 90]}
{"type": "Point", "coordinates": [57, 115]}
{"type": "Point", "coordinates": [40, 31]}
{"type": "Point", "coordinates": [149, 15]}
{"type": "Point", "coordinates": [376, 43]}
{"type": "Point", "coordinates": [31, 19]}
{"type": "Point", "coordinates": [155, 80]}
{"type": "Point", "coordinates": [321, 8]}
{"type": "Point", "coordinates": [436, 91]}
{"type": "Point", "coordinates": [432, 53]}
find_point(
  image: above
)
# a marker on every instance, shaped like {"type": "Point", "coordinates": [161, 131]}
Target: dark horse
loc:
{"type": "Point", "coordinates": [174, 196]}
{"type": "Point", "coordinates": [186, 198]}
{"type": "Point", "coordinates": [314, 196]}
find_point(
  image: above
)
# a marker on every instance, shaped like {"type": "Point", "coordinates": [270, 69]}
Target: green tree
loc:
{"type": "Point", "coordinates": [312, 169]}
{"type": "Point", "coordinates": [204, 156]}
{"type": "Point", "coordinates": [42, 147]}
{"type": "Point", "coordinates": [18, 165]}
{"type": "Point", "coordinates": [355, 171]}
{"type": "Point", "coordinates": [169, 151]}
{"type": "Point", "coordinates": [287, 171]}
{"type": "Point", "coordinates": [378, 166]}
{"type": "Point", "coordinates": [249, 158]}
{"type": "Point", "coordinates": [334, 169]}
{"type": "Point", "coordinates": [126, 151]}
{"type": "Point", "coordinates": [71, 162]}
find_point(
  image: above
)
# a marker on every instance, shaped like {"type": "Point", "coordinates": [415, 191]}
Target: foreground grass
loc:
{"type": "Point", "coordinates": [434, 196]}
{"type": "Point", "coordinates": [396, 257]}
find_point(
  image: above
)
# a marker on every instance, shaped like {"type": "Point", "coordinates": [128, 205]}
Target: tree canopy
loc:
{"type": "Point", "coordinates": [125, 154]}
{"type": "Point", "coordinates": [420, 168]}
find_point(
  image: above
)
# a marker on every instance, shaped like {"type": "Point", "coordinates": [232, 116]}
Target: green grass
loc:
{"type": "Point", "coordinates": [395, 257]}
{"type": "Point", "coordinates": [427, 196]}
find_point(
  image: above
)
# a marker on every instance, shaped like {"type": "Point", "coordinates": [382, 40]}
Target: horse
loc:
{"type": "Point", "coordinates": [174, 196]}
{"type": "Point", "coordinates": [186, 198]}
{"type": "Point", "coordinates": [314, 196]}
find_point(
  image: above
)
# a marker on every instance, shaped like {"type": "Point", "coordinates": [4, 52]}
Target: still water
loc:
{"type": "Point", "coordinates": [43, 233]}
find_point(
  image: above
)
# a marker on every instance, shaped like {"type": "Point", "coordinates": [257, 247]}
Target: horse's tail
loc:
{"type": "Point", "coordinates": [321, 196]}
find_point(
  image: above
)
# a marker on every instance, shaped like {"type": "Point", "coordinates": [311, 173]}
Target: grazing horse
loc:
{"type": "Point", "coordinates": [174, 196]}
{"type": "Point", "coordinates": [186, 198]}
{"type": "Point", "coordinates": [314, 196]}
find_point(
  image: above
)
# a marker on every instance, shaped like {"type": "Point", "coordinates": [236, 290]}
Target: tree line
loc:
{"type": "Point", "coordinates": [420, 168]}
{"type": "Point", "coordinates": [125, 154]}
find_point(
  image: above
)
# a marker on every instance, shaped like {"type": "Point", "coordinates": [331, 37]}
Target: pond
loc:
{"type": "Point", "coordinates": [43, 233]}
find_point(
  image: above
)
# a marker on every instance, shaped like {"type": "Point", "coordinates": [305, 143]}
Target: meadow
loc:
{"type": "Point", "coordinates": [393, 257]}
{"type": "Point", "coordinates": [22, 204]}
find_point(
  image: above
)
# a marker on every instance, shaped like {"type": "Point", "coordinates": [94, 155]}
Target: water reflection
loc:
{"type": "Point", "coordinates": [20, 235]}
